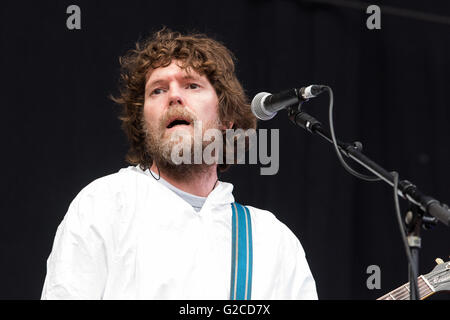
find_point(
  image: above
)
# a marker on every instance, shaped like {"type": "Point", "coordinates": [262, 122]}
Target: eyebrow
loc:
{"type": "Point", "coordinates": [155, 82]}
{"type": "Point", "coordinates": [191, 77]}
{"type": "Point", "coordinates": [185, 77]}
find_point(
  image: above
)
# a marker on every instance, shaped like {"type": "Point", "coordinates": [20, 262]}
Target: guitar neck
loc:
{"type": "Point", "coordinates": [402, 293]}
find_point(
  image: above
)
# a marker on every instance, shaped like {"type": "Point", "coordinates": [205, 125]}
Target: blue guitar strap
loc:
{"type": "Point", "coordinates": [242, 254]}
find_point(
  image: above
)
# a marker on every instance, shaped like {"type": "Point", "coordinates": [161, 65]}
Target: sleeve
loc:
{"type": "Point", "coordinates": [297, 280]}
{"type": "Point", "coordinates": [76, 267]}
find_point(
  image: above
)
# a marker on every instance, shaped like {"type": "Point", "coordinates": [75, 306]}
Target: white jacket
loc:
{"type": "Point", "coordinates": [127, 236]}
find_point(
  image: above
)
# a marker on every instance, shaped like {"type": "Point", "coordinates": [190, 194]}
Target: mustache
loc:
{"type": "Point", "coordinates": [177, 112]}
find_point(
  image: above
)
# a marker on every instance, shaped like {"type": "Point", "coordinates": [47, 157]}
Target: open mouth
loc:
{"type": "Point", "coordinates": [178, 122]}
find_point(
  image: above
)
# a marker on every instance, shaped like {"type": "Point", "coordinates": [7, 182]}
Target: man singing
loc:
{"type": "Point", "coordinates": [160, 229]}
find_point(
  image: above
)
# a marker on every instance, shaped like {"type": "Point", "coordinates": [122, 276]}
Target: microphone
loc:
{"type": "Point", "coordinates": [265, 105]}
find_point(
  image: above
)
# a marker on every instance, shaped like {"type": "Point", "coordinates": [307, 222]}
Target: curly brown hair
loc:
{"type": "Point", "coordinates": [197, 51]}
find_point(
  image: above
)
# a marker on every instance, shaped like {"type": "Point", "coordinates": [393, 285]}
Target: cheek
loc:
{"type": "Point", "coordinates": [150, 113]}
{"type": "Point", "coordinates": [211, 109]}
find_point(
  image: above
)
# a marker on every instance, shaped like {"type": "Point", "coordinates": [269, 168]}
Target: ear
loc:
{"type": "Point", "coordinates": [228, 125]}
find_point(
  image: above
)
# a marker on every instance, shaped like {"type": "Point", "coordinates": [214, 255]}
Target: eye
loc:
{"type": "Point", "coordinates": [193, 86]}
{"type": "Point", "coordinates": [156, 91]}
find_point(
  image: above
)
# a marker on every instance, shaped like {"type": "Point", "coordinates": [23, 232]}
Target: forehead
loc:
{"type": "Point", "coordinates": [173, 70]}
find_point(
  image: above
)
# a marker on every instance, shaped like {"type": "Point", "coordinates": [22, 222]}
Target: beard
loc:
{"type": "Point", "coordinates": [160, 144]}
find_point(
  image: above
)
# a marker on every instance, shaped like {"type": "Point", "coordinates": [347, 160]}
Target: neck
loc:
{"type": "Point", "coordinates": [197, 180]}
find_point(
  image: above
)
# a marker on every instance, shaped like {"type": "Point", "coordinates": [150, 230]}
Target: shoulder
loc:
{"type": "Point", "coordinates": [115, 184]}
{"type": "Point", "coordinates": [118, 181]}
{"type": "Point", "coordinates": [268, 225]}
{"type": "Point", "coordinates": [268, 220]}
{"type": "Point", "coordinates": [282, 254]}
{"type": "Point", "coordinates": [107, 195]}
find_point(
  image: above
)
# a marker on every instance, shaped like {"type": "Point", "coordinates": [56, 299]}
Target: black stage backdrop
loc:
{"type": "Point", "coordinates": [60, 131]}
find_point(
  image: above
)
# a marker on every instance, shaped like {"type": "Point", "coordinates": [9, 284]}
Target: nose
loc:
{"type": "Point", "coordinates": [175, 96]}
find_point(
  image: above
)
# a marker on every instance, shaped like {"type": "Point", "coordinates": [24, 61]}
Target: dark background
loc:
{"type": "Point", "coordinates": [60, 131]}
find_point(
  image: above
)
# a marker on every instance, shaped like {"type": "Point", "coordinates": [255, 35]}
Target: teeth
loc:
{"type": "Point", "coordinates": [177, 122]}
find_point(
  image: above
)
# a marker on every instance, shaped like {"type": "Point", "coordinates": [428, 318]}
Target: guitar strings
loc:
{"type": "Point", "coordinates": [405, 291]}
{"type": "Point", "coordinates": [406, 294]}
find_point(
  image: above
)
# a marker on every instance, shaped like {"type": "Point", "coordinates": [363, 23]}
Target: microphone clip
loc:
{"type": "Point", "coordinates": [302, 119]}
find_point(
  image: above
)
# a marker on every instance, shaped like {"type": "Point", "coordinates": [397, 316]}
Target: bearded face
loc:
{"type": "Point", "coordinates": [180, 106]}
{"type": "Point", "coordinates": [178, 132]}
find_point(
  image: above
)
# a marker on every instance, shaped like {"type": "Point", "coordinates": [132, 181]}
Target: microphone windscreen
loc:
{"type": "Point", "coordinates": [258, 107]}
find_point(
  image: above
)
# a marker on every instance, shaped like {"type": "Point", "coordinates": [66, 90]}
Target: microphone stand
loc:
{"type": "Point", "coordinates": [424, 210]}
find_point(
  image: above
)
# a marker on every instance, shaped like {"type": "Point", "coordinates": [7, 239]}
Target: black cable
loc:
{"type": "Point", "coordinates": [218, 176]}
{"type": "Point", "coordinates": [371, 179]}
{"type": "Point", "coordinates": [394, 11]}
{"type": "Point", "coordinates": [403, 235]}
{"type": "Point", "coordinates": [159, 174]}
{"type": "Point", "coordinates": [336, 147]}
